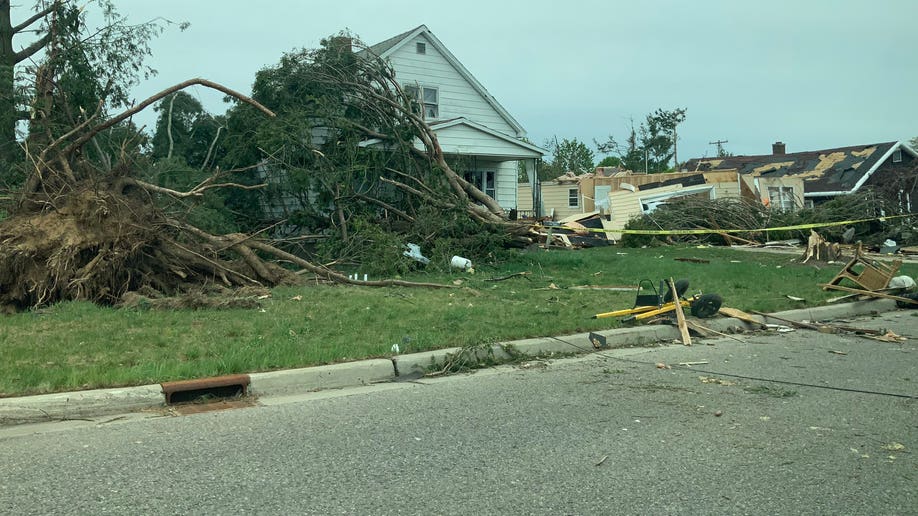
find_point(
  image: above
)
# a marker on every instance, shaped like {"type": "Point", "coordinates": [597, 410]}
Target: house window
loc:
{"type": "Point", "coordinates": [573, 198]}
{"type": "Point", "coordinates": [781, 197]}
{"type": "Point", "coordinates": [897, 157]}
{"type": "Point", "coordinates": [428, 98]}
{"type": "Point", "coordinates": [421, 48]}
{"type": "Point", "coordinates": [483, 180]}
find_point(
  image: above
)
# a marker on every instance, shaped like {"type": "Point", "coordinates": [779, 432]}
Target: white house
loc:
{"type": "Point", "coordinates": [479, 137]}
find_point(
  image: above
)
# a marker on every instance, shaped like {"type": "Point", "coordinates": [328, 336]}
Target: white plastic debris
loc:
{"type": "Point", "coordinates": [395, 348]}
{"type": "Point", "coordinates": [905, 282]}
{"type": "Point", "coordinates": [414, 252]}
{"type": "Point", "coordinates": [458, 262]}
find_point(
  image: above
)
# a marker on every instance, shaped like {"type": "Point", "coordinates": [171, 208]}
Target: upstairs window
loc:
{"type": "Point", "coordinates": [420, 48]}
{"type": "Point", "coordinates": [573, 198]}
{"type": "Point", "coordinates": [897, 157]}
{"type": "Point", "coordinates": [428, 99]}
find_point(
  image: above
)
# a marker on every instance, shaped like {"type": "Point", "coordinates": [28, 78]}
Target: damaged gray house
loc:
{"type": "Point", "coordinates": [803, 179]}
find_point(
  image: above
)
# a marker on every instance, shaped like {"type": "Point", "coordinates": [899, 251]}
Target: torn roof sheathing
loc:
{"type": "Point", "coordinates": [826, 172]}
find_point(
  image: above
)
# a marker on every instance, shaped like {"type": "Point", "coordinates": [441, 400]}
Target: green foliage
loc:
{"type": "Point", "coordinates": [185, 129]}
{"type": "Point", "coordinates": [610, 161]}
{"type": "Point", "coordinates": [208, 212]}
{"type": "Point", "coordinates": [83, 71]}
{"type": "Point", "coordinates": [566, 156]}
{"type": "Point", "coordinates": [650, 147]}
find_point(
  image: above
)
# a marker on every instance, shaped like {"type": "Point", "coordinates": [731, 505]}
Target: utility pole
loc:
{"type": "Point", "coordinates": [720, 147]}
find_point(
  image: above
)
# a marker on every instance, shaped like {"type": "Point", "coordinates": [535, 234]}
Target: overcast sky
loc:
{"type": "Point", "coordinates": [815, 74]}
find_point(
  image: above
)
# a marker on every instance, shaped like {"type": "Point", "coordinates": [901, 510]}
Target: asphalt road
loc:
{"type": "Point", "coordinates": [609, 433]}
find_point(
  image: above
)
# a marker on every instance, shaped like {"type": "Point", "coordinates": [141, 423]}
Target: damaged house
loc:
{"type": "Point", "coordinates": [804, 179]}
{"type": "Point", "coordinates": [478, 135]}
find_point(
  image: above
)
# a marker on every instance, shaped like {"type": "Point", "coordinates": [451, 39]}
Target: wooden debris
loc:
{"type": "Point", "coordinates": [817, 249]}
{"type": "Point", "coordinates": [824, 328]}
{"type": "Point", "coordinates": [708, 332]}
{"type": "Point", "coordinates": [690, 364]}
{"type": "Point", "coordinates": [680, 316]}
{"type": "Point", "coordinates": [888, 337]}
{"type": "Point", "coordinates": [741, 315]}
{"type": "Point", "coordinates": [869, 293]}
{"type": "Point", "coordinates": [603, 459]}
{"type": "Point", "coordinates": [837, 352]}
{"type": "Point", "coordinates": [858, 297]}
{"type": "Point", "coordinates": [868, 274]}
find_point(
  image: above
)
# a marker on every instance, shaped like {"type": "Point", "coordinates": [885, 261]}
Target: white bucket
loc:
{"type": "Point", "coordinates": [459, 262]}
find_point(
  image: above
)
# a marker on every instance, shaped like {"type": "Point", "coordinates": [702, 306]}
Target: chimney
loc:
{"type": "Point", "coordinates": [778, 148]}
{"type": "Point", "coordinates": [341, 44]}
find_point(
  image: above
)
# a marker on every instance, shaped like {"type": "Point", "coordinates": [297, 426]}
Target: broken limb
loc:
{"type": "Point", "coordinates": [524, 274]}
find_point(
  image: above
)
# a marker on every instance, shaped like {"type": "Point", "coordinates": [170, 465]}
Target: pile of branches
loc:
{"type": "Point", "coordinates": [78, 232]}
{"type": "Point", "coordinates": [752, 217]}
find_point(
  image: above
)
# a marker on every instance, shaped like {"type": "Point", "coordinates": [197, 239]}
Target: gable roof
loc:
{"type": "Point", "coordinates": [445, 124]}
{"type": "Point", "coordinates": [825, 172]}
{"type": "Point", "coordinates": [386, 48]}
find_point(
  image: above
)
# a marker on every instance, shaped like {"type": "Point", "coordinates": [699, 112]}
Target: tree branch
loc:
{"type": "Point", "coordinates": [40, 14]}
{"type": "Point", "coordinates": [140, 107]}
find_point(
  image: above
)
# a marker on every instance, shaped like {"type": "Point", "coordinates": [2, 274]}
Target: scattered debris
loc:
{"type": "Point", "coordinates": [795, 298]}
{"type": "Point", "coordinates": [868, 274]}
{"type": "Point", "coordinates": [823, 328]}
{"type": "Point", "coordinates": [414, 252]}
{"type": "Point", "coordinates": [524, 274]}
{"type": "Point", "coordinates": [818, 250]}
{"type": "Point", "coordinates": [680, 316]}
{"type": "Point", "coordinates": [598, 341]}
{"type": "Point", "coordinates": [613, 288]}
{"type": "Point", "coordinates": [690, 364]}
{"type": "Point", "coordinates": [894, 447]}
{"type": "Point", "coordinates": [718, 413]}
{"type": "Point", "coordinates": [718, 381]}
{"type": "Point", "coordinates": [889, 336]}
{"type": "Point", "coordinates": [458, 262]}
{"type": "Point", "coordinates": [692, 260]}
{"type": "Point", "coordinates": [837, 352]}
{"type": "Point", "coordinates": [661, 365]}
{"type": "Point", "coordinates": [741, 315]}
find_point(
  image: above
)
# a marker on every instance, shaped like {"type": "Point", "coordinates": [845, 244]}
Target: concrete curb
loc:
{"type": "Point", "coordinates": [79, 404]}
{"type": "Point", "coordinates": [349, 374]}
{"type": "Point", "coordinates": [100, 402]}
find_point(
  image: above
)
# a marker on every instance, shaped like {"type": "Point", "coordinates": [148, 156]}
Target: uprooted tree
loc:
{"type": "Point", "coordinates": [93, 222]}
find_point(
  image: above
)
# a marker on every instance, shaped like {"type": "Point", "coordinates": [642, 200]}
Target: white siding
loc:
{"type": "Point", "coordinates": [462, 139]}
{"type": "Point", "coordinates": [457, 97]}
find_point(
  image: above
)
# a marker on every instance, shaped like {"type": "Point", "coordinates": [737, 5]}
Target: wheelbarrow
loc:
{"type": "Point", "coordinates": [651, 302]}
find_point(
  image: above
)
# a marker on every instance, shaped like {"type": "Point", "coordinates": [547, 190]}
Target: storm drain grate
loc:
{"type": "Point", "coordinates": [216, 388]}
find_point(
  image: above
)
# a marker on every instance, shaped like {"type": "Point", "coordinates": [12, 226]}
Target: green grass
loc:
{"type": "Point", "coordinates": [78, 345]}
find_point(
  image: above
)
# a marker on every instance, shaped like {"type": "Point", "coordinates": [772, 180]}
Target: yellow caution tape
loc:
{"type": "Point", "coordinates": [717, 231]}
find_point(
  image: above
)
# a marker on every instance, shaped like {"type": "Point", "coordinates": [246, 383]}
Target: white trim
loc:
{"type": "Point", "coordinates": [866, 176]}
{"type": "Point", "coordinates": [520, 132]}
{"type": "Point", "coordinates": [485, 129]}
{"type": "Point", "coordinates": [677, 193]}
{"type": "Point", "coordinates": [436, 126]}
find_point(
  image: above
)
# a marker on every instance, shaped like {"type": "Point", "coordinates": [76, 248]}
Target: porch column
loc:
{"type": "Point", "coordinates": [532, 170]}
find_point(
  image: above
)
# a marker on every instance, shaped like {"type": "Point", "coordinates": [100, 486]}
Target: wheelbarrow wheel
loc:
{"type": "Point", "coordinates": [706, 306]}
{"type": "Point", "coordinates": [681, 287]}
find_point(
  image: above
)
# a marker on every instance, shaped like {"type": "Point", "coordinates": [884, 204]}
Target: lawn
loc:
{"type": "Point", "coordinates": [78, 345]}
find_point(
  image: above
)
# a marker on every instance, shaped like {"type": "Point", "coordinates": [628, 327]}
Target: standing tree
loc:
{"type": "Point", "coordinates": [567, 156]}
{"type": "Point", "coordinates": [90, 68]}
{"type": "Point", "coordinates": [651, 146]}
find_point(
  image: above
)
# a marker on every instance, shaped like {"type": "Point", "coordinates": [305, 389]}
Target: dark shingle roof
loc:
{"type": "Point", "coordinates": [383, 46]}
{"type": "Point", "coordinates": [826, 170]}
